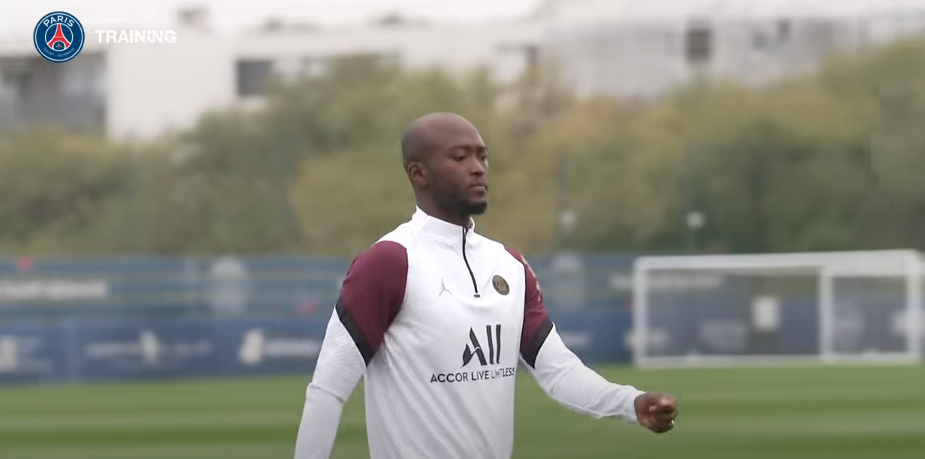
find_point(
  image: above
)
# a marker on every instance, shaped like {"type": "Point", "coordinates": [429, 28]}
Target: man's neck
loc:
{"type": "Point", "coordinates": [464, 221]}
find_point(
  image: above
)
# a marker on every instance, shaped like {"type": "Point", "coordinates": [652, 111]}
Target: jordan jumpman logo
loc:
{"type": "Point", "coordinates": [443, 288]}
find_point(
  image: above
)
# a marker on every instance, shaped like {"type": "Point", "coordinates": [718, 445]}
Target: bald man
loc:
{"type": "Point", "coordinates": [437, 318]}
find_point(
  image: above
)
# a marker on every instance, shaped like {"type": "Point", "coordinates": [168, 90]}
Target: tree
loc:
{"type": "Point", "coordinates": [829, 161]}
{"type": "Point", "coordinates": [54, 185]}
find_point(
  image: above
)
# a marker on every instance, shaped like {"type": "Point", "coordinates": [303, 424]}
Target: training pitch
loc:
{"type": "Point", "coordinates": [754, 413]}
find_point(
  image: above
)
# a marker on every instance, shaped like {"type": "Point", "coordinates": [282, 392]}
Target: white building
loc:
{"type": "Point", "coordinates": [632, 48]}
{"type": "Point", "coordinates": [640, 48]}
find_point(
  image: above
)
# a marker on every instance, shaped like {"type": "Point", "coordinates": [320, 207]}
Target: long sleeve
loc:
{"type": "Point", "coordinates": [568, 381]}
{"type": "Point", "coordinates": [371, 297]}
{"type": "Point", "coordinates": [561, 374]}
{"type": "Point", "coordinates": [337, 373]}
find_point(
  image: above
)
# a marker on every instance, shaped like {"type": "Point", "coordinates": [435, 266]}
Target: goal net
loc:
{"type": "Point", "coordinates": [779, 308]}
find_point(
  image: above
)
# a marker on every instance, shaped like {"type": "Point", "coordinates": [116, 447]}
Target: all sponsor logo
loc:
{"type": "Point", "coordinates": [488, 359]}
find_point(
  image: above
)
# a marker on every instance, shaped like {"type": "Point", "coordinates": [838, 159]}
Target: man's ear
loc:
{"type": "Point", "coordinates": [417, 173]}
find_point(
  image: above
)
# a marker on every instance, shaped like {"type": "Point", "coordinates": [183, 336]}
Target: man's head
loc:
{"type": "Point", "coordinates": [447, 164]}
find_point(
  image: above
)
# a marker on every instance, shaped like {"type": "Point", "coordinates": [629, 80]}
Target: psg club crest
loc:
{"type": "Point", "coordinates": [500, 285]}
{"type": "Point", "coordinates": [59, 37]}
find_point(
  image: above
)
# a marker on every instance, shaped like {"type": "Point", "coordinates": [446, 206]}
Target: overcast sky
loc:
{"type": "Point", "coordinates": [20, 16]}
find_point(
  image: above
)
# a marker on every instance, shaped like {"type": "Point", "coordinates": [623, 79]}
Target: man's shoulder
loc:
{"type": "Point", "coordinates": [400, 236]}
{"type": "Point", "coordinates": [486, 242]}
{"type": "Point", "coordinates": [386, 249]}
{"type": "Point", "coordinates": [515, 254]}
{"type": "Point", "coordinates": [384, 255]}
{"type": "Point", "coordinates": [504, 251]}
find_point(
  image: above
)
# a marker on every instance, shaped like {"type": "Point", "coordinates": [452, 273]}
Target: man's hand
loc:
{"type": "Point", "coordinates": [656, 411]}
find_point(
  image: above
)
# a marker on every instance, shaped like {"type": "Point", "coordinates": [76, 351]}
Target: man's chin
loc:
{"type": "Point", "coordinates": [475, 208]}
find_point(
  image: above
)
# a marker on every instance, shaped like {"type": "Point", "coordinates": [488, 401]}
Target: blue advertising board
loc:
{"type": "Point", "coordinates": [89, 351]}
{"type": "Point", "coordinates": [130, 287]}
{"type": "Point", "coordinates": [128, 350]}
{"type": "Point", "coordinates": [267, 346]}
{"type": "Point", "coordinates": [32, 354]}
{"type": "Point", "coordinates": [596, 336]}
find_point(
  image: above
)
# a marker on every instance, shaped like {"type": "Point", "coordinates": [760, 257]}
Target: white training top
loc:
{"type": "Point", "coordinates": [437, 319]}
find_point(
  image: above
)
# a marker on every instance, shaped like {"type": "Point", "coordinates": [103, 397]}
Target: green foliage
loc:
{"type": "Point", "coordinates": [823, 163]}
{"type": "Point", "coordinates": [54, 185]}
{"type": "Point", "coordinates": [831, 161]}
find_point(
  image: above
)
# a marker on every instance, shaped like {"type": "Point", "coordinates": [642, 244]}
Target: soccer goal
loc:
{"type": "Point", "coordinates": [840, 307]}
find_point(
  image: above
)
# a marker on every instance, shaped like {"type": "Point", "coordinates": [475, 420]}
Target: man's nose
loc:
{"type": "Point", "coordinates": [477, 167]}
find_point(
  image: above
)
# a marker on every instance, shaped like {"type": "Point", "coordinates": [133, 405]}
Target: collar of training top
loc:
{"type": "Point", "coordinates": [439, 228]}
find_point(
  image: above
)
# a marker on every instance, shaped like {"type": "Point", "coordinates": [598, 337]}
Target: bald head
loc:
{"type": "Point", "coordinates": [430, 133]}
{"type": "Point", "coordinates": [447, 164]}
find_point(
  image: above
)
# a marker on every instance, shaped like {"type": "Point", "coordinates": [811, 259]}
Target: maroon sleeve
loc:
{"type": "Point", "coordinates": [372, 295]}
{"type": "Point", "coordinates": [537, 325]}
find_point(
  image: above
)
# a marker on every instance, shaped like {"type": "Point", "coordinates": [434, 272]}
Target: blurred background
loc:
{"type": "Point", "coordinates": [176, 218]}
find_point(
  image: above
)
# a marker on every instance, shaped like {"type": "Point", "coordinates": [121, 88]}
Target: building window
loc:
{"type": "Point", "coordinates": [83, 77]}
{"type": "Point", "coordinates": [699, 44]}
{"type": "Point", "coordinates": [253, 77]}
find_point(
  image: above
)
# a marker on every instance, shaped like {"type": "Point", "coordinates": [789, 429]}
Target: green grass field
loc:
{"type": "Point", "coordinates": [844, 413]}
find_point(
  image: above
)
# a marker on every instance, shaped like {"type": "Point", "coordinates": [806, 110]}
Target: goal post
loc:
{"type": "Point", "coordinates": [864, 306]}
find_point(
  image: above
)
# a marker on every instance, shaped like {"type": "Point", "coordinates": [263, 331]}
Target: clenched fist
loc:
{"type": "Point", "coordinates": [656, 411]}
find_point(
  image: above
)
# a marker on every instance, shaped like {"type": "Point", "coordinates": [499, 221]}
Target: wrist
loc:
{"type": "Point", "coordinates": [638, 405]}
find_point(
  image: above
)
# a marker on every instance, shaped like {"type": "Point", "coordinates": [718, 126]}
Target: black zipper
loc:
{"type": "Point", "coordinates": [472, 276]}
